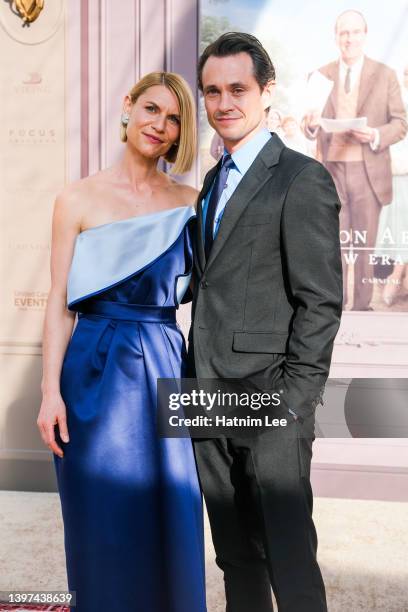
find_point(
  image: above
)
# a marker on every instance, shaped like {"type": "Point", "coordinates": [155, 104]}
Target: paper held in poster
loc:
{"type": "Point", "coordinates": [343, 125]}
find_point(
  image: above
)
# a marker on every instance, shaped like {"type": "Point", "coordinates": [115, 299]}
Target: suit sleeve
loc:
{"type": "Point", "coordinates": [312, 262]}
{"type": "Point", "coordinates": [396, 128]}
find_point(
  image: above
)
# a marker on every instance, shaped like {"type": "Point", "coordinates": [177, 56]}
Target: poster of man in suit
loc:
{"type": "Point", "coordinates": [358, 157]}
{"type": "Point", "coordinates": [340, 76]}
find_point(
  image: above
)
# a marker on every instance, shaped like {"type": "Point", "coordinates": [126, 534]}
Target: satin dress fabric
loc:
{"type": "Point", "coordinates": [131, 501]}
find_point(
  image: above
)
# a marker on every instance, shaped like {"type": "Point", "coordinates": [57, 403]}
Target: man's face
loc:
{"type": "Point", "coordinates": [350, 36]}
{"type": "Point", "coordinates": [233, 99]}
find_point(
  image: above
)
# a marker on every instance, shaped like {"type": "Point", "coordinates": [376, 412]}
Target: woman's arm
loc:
{"type": "Point", "coordinates": [58, 322]}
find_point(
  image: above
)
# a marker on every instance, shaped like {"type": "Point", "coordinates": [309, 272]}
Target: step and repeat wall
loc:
{"type": "Point", "coordinates": [33, 168]}
{"type": "Point", "coordinates": [63, 77]}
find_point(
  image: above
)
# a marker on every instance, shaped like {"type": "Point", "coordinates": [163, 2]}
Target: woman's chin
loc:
{"type": "Point", "coordinates": [149, 151]}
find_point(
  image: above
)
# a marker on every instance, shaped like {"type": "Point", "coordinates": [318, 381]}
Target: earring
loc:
{"type": "Point", "coordinates": [124, 118]}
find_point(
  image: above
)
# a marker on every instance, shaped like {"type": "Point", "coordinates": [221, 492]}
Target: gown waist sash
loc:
{"type": "Point", "coordinates": [128, 312]}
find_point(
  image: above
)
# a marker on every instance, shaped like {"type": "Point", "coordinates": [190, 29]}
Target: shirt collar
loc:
{"type": "Point", "coordinates": [355, 68]}
{"type": "Point", "coordinates": [245, 155]}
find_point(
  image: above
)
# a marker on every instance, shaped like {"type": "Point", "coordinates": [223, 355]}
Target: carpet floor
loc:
{"type": "Point", "coordinates": [363, 551]}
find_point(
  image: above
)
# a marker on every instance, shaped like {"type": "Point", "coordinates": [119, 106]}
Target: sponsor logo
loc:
{"type": "Point", "coordinates": [29, 10]}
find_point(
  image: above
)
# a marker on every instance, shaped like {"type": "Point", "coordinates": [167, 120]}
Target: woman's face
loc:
{"type": "Point", "coordinates": [154, 121]}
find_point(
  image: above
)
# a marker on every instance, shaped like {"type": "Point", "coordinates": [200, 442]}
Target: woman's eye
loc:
{"type": "Point", "coordinates": [174, 120]}
{"type": "Point", "coordinates": [151, 108]}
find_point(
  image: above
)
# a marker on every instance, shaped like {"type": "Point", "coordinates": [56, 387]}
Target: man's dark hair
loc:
{"type": "Point", "coordinates": [232, 43]}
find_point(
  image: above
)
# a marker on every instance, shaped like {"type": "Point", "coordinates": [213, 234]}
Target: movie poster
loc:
{"type": "Point", "coordinates": [341, 97]}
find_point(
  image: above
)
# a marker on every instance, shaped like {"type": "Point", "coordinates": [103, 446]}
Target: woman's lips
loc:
{"type": "Point", "coordinates": [153, 139]}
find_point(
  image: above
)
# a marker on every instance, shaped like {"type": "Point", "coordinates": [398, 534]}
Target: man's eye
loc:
{"type": "Point", "coordinates": [212, 92]}
{"type": "Point", "coordinates": [238, 90]}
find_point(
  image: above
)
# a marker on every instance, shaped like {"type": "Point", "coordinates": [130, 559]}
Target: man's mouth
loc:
{"type": "Point", "coordinates": [226, 119]}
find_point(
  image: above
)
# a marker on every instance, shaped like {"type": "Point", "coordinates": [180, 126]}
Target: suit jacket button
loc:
{"type": "Point", "coordinates": [203, 284]}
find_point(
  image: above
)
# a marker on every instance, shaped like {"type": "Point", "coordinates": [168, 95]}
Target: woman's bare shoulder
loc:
{"type": "Point", "coordinates": [85, 186]}
{"type": "Point", "coordinates": [73, 201]}
{"type": "Point", "coordinates": [185, 195]}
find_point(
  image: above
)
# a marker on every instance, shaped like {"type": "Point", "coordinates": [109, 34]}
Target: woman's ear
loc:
{"type": "Point", "coordinates": [127, 104]}
{"type": "Point", "coordinates": [124, 119]}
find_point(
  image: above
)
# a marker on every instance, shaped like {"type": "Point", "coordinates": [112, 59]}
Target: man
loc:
{"type": "Point", "coordinates": [266, 305]}
{"type": "Point", "coordinates": [359, 160]}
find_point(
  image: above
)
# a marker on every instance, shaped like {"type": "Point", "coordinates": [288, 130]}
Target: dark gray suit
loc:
{"type": "Point", "coordinates": [267, 304]}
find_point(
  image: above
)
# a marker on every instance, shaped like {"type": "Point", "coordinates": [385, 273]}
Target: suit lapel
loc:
{"type": "Point", "coordinates": [332, 73]}
{"type": "Point", "coordinates": [254, 179]}
{"type": "Point", "coordinates": [209, 178]}
{"type": "Point", "coordinates": [366, 82]}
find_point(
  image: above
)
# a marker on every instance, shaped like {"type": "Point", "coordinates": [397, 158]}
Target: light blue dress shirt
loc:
{"type": "Point", "coordinates": [243, 159]}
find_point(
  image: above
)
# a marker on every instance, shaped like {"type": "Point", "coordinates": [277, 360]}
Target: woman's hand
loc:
{"type": "Point", "coordinates": [53, 412]}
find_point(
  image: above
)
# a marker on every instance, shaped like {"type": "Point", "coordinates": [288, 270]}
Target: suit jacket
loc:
{"type": "Point", "coordinates": [268, 301]}
{"type": "Point", "coordinates": [380, 101]}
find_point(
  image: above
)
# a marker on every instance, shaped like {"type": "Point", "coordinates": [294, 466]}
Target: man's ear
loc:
{"type": "Point", "coordinates": [267, 94]}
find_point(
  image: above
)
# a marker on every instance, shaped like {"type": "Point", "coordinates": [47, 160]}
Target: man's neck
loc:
{"type": "Point", "coordinates": [234, 145]}
{"type": "Point", "coordinates": [352, 61]}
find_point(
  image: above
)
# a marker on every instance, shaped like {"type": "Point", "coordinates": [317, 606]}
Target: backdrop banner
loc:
{"type": "Point", "coordinates": [341, 97]}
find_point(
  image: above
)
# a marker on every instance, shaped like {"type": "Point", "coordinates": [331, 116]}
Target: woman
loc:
{"type": "Point", "coordinates": [121, 256]}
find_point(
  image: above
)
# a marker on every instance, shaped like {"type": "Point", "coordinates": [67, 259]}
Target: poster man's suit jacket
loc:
{"type": "Point", "coordinates": [379, 99]}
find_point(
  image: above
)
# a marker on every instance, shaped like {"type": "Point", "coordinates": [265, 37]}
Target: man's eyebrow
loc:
{"type": "Point", "coordinates": [238, 84]}
{"type": "Point", "coordinates": [230, 85]}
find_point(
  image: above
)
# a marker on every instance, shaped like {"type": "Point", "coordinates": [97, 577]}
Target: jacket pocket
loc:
{"type": "Point", "coordinates": [259, 342]}
{"type": "Point", "coordinates": [255, 219]}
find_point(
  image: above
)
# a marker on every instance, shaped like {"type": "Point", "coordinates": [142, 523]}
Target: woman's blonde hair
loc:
{"type": "Point", "coordinates": [181, 155]}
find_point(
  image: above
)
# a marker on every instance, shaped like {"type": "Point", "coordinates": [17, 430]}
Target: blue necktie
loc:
{"type": "Point", "coordinates": [216, 192]}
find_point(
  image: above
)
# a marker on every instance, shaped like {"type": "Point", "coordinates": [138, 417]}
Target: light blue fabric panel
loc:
{"type": "Point", "coordinates": [182, 284]}
{"type": "Point", "coordinates": [107, 254]}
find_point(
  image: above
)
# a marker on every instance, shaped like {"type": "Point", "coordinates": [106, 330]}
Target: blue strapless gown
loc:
{"type": "Point", "coordinates": [130, 500]}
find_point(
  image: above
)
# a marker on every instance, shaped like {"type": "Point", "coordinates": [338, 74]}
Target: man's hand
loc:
{"type": "Point", "coordinates": [311, 120]}
{"type": "Point", "coordinates": [365, 135]}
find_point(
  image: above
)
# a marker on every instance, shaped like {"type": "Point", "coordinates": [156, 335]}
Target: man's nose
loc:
{"type": "Point", "coordinates": [225, 102]}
